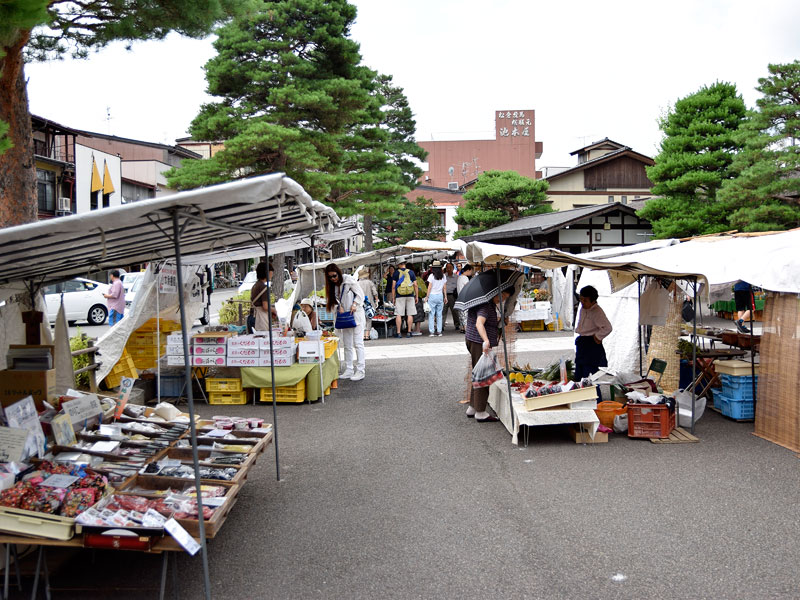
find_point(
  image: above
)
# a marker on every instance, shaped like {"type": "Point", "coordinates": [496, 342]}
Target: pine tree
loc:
{"type": "Point", "coordinates": [500, 197]}
{"type": "Point", "coordinates": [695, 159]}
{"type": "Point", "coordinates": [415, 219]}
{"type": "Point", "coordinates": [46, 30]}
{"type": "Point", "coordinates": [295, 98]}
{"type": "Point", "coordinates": [765, 195]}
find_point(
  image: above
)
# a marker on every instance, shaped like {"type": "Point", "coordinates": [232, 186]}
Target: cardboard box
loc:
{"type": "Point", "coordinates": [310, 353]}
{"type": "Point", "coordinates": [244, 341]}
{"type": "Point", "coordinates": [175, 338]}
{"type": "Point", "coordinates": [582, 437]}
{"type": "Point", "coordinates": [243, 351]}
{"type": "Point", "coordinates": [243, 361]}
{"type": "Point", "coordinates": [277, 342]}
{"type": "Point", "coordinates": [176, 349]}
{"type": "Point", "coordinates": [16, 385]}
{"type": "Point", "coordinates": [213, 338]}
{"type": "Point", "coordinates": [280, 361]}
{"type": "Point", "coordinates": [174, 360]}
{"type": "Point", "coordinates": [209, 349]}
{"type": "Point", "coordinates": [285, 351]}
{"type": "Point", "coordinates": [208, 361]}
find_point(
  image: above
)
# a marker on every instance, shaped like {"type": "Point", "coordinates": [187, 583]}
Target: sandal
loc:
{"type": "Point", "coordinates": [464, 401]}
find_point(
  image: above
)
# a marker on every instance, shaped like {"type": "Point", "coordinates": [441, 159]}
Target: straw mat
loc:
{"type": "Point", "coordinates": [664, 343]}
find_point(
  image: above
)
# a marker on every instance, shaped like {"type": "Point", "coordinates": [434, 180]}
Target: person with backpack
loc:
{"type": "Point", "coordinates": [405, 294]}
{"type": "Point", "coordinates": [370, 298]}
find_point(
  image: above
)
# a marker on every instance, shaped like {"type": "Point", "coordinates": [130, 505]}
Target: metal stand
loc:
{"type": "Point", "coordinates": [272, 364]}
{"type": "Point", "coordinates": [41, 565]}
{"type": "Point", "coordinates": [11, 548]}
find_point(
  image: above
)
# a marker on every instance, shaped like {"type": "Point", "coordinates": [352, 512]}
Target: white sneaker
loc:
{"type": "Point", "coordinates": [431, 334]}
{"type": "Point", "coordinates": [348, 374]}
{"type": "Point", "coordinates": [358, 376]}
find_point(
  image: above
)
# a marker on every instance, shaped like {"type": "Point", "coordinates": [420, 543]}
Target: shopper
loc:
{"type": "Point", "coordinates": [388, 284]}
{"type": "Point", "coordinates": [436, 298]}
{"type": "Point", "coordinates": [743, 297]}
{"type": "Point", "coordinates": [370, 293]}
{"type": "Point", "coordinates": [305, 319]}
{"type": "Point", "coordinates": [343, 294]}
{"type": "Point", "coordinates": [593, 327]}
{"type": "Point", "coordinates": [405, 295]}
{"type": "Point", "coordinates": [451, 294]}
{"type": "Point", "coordinates": [116, 299]}
{"type": "Point", "coordinates": [481, 336]}
{"type": "Point", "coordinates": [258, 296]}
{"type": "Point", "coordinates": [463, 279]}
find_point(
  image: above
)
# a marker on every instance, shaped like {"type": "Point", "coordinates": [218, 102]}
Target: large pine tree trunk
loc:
{"type": "Point", "coordinates": [368, 233]}
{"type": "Point", "coordinates": [17, 170]}
{"type": "Point", "coordinates": [278, 261]}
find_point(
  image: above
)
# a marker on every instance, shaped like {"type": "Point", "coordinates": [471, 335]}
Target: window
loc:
{"type": "Point", "coordinates": [73, 286]}
{"type": "Point", "coordinates": [442, 218]}
{"type": "Point", "coordinates": [93, 200]}
{"type": "Point", "coordinates": [611, 199]}
{"type": "Point", "coordinates": [46, 190]}
{"type": "Point", "coordinates": [624, 199]}
{"type": "Point", "coordinates": [106, 200]}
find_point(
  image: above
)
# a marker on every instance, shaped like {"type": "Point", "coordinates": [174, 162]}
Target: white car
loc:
{"type": "Point", "coordinates": [83, 300]}
{"type": "Point", "coordinates": [131, 283]}
{"type": "Point", "coordinates": [251, 278]}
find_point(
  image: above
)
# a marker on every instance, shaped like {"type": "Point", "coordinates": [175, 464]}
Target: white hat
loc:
{"type": "Point", "coordinates": [307, 301]}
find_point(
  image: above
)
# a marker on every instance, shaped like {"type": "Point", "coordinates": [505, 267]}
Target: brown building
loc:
{"type": "Point", "coordinates": [607, 172]}
{"type": "Point", "coordinates": [453, 165]}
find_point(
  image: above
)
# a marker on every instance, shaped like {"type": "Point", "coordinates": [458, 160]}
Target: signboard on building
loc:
{"type": "Point", "coordinates": [514, 124]}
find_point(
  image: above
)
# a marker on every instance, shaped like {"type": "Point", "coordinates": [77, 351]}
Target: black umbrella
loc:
{"type": "Point", "coordinates": [484, 286]}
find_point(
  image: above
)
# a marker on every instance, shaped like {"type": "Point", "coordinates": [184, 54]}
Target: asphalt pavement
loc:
{"type": "Point", "coordinates": [388, 490]}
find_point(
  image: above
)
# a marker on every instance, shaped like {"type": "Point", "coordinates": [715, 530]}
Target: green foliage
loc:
{"type": "Point", "coordinates": [294, 98]}
{"type": "Point", "coordinates": [700, 142]}
{"type": "Point", "coordinates": [5, 143]}
{"type": "Point", "coordinates": [498, 198]}
{"type": "Point", "coordinates": [765, 195]}
{"type": "Point", "coordinates": [229, 311]}
{"type": "Point", "coordinates": [80, 341]}
{"type": "Point", "coordinates": [415, 219]}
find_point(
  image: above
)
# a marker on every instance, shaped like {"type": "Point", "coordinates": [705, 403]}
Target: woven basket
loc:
{"type": "Point", "coordinates": [664, 343]}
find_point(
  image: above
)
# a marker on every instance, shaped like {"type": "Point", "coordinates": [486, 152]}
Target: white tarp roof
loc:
{"type": "Point", "coordinates": [221, 217]}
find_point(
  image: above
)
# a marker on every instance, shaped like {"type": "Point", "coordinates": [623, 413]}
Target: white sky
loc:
{"type": "Point", "coordinates": [589, 69]}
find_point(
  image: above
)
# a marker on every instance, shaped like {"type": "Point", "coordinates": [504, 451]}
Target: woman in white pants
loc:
{"type": "Point", "coordinates": [344, 293]}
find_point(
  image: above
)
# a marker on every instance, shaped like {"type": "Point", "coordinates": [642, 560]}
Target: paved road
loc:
{"type": "Point", "coordinates": [389, 491]}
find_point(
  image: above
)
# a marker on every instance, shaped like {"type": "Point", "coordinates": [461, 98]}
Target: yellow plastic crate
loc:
{"type": "Point", "coordinates": [330, 348]}
{"type": "Point", "coordinates": [537, 325]}
{"type": "Point", "coordinates": [125, 367]}
{"type": "Point", "coordinates": [147, 338]}
{"type": "Point", "coordinates": [144, 363]}
{"type": "Point", "coordinates": [552, 326]}
{"type": "Point", "coordinates": [163, 325]}
{"type": "Point", "coordinates": [223, 385]}
{"type": "Point", "coordinates": [145, 351]}
{"type": "Point", "coordinates": [227, 398]}
{"type": "Point", "coordinates": [289, 393]}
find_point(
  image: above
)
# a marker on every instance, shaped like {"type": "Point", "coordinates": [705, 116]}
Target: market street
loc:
{"type": "Point", "coordinates": [388, 490]}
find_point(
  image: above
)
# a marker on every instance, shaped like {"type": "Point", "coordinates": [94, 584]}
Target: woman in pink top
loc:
{"type": "Point", "coordinates": [593, 327]}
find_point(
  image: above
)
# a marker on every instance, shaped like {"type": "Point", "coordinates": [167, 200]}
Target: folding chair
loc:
{"type": "Point", "coordinates": [656, 366]}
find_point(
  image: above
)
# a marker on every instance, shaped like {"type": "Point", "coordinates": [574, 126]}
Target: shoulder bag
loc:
{"type": "Point", "coordinates": [346, 319]}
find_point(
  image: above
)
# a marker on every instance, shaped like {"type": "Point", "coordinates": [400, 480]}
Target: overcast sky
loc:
{"type": "Point", "coordinates": [589, 69]}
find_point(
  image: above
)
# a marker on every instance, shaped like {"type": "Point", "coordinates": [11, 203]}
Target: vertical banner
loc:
{"type": "Point", "coordinates": [125, 388]}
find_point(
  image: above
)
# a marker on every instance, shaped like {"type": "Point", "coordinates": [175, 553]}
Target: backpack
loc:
{"type": "Point", "coordinates": [405, 287]}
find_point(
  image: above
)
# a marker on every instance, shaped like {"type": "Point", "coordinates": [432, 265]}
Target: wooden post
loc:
{"type": "Point", "coordinates": [93, 371]}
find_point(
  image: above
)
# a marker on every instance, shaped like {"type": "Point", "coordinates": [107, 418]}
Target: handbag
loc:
{"type": "Point", "coordinates": [346, 319]}
{"type": "Point", "coordinates": [369, 310]}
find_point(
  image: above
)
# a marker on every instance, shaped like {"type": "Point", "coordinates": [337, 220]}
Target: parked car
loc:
{"type": "Point", "coordinates": [250, 280]}
{"type": "Point", "coordinates": [131, 282]}
{"type": "Point", "coordinates": [83, 300]}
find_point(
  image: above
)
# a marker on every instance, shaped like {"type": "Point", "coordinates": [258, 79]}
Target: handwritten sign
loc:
{"type": "Point", "coordinates": [182, 536]}
{"type": "Point", "coordinates": [63, 431]}
{"type": "Point", "coordinates": [125, 387]}
{"type": "Point", "coordinates": [23, 415]}
{"type": "Point", "coordinates": [168, 280]}
{"type": "Point", "coordinates": [83, 408]}
{"type": "Point", "coordinates": [12, 444]}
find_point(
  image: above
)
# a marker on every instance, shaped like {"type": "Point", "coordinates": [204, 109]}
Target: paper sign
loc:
{"type": "Point", "coordinates": [60, 481]}
{"type": "Point", "coordinates": [215, 502]}
{"type": "Point", "coordinates": [12, 443]}
{"type": "Point", "coordinates": [180, 535]}
{"type": "Point", "coordinates": [23, 415]}
{"type": "Point", "coordinates": [104, 446]}
{"type": "Point", "coordinates": [83, 408]}
{"type": "Point", "coordinates": [125, 387]}
{"type": "Point", "coordinates": [63, 430]}
{"type": "Point", "coordinates": [168, 280]}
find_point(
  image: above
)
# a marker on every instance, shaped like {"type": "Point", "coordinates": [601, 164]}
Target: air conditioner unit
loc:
{"type": "Point", "coordinates": [452, 186]}
{"type": "Point", "coordinates": [64, 204]}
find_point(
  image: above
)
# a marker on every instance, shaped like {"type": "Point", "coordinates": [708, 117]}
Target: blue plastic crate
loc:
{"type": "Point", "coordinates": [325, 315]}
{"type": "Point", "coordinates": [171, 386]}
{"type": "Point", "coordinates": [738, 387]}
{"type": "Point", "coordinates": [735, 409]}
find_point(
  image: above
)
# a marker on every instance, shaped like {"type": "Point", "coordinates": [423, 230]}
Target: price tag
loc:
{"type": "Point", "coordinates": [60, 481]}
{"type": "Point", "coordinates": [180, 535]}
{"type": "Point", "coordinates": [83, 408]}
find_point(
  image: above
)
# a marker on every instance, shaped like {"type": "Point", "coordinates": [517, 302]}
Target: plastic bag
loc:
{"type": "Point", "coordinates": [621, 423]}
{"type": "Point", "coordinates": [373, 334]}
{"type": "Point", "coordinates": [486, 371]}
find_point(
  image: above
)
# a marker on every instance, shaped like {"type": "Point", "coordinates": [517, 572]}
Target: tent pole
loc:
{"type": "Point", "coordinates": [752, 347]}
{"type": "Point", "coordinates": [187, 374]}
{"type": "Point", "coordinates": [314, 274]}
{"type": "Point", "coordinates": [505, 346]}
{"type": "Point", "coordinates": [272, 361]}
{"type": "Point", "coordinates": [694, 350]}
{"type": "Point", "coordinates": [639, 324]}
{"type": "Point", "coordinates": [158, 343]}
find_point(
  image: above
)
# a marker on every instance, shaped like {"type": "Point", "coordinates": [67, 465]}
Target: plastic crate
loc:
{"type": "Point", "coordinates": [227, 397]}
{"type": "Point", "coordinates": [289, 393]}
{"type": "Point", "coordinates": [171, 386]}
{"type": "Point", "coordinates": [553, 326]}
{"type": "Point", "coordinates": [223, 385]}
{"type": "Point", "coordinates": [125, 367]}
{"type": "Point", "coordinates": [325, 315]}
{"type": "Point", "coordinates": [537, 325]}
{"type": "Point", "coordinates": [738, 387]}
{"type": "Point", "coordinates": [735, 408]}
{"type": "Point", "coordinates": [650, 420]}
{"type": "Point", "coordinates": [330, 348]}
{"type": "Point", "coordinates": [145, 351]}
{"type": "Point", "coordinates": [526, 303]}
{"type": "Point", "coordinates": [147, 338]}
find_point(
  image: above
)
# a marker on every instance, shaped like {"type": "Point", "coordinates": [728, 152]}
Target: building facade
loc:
{"type": "Point", "coordinates": [607, 172]}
